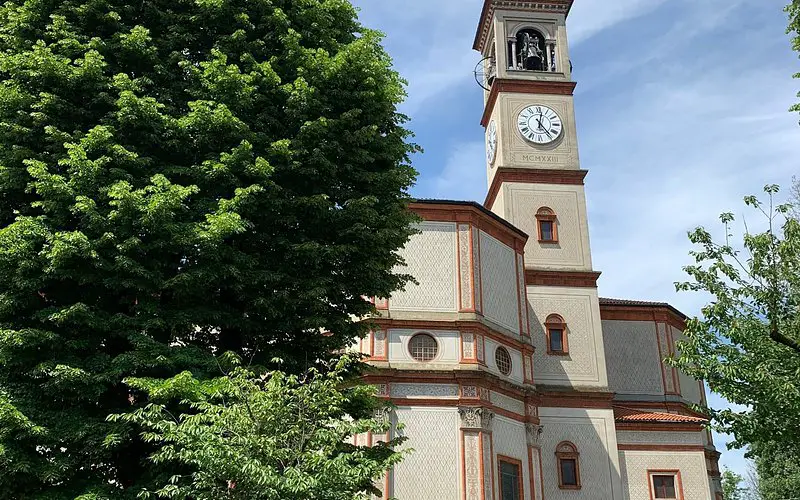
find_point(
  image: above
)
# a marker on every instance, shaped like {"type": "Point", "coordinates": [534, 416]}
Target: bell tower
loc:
{"type": "Point", "coordinates": [536, 182]}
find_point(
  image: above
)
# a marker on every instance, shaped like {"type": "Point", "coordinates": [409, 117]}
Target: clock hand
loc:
{"type": "Point", "coordinates": [541, 127]}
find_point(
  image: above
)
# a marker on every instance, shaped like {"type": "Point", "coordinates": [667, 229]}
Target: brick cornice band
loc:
{"type": "Point", "coordinates": [578, 279]}
{"type": "Point", "coordinates": [532, 176]}
{"type": "Point", "coordinates": [523, 87]}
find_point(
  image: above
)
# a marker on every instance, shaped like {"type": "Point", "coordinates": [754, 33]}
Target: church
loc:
{"type": "Point", "coordinates": [512, 378]}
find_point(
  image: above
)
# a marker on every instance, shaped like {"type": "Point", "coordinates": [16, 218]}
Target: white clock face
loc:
{"type": "Point", "coordinates": [539, 124]}
{"type": "Point", "coordinates": [491, 142]}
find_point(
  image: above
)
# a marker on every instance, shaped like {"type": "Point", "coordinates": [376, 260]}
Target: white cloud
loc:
{"type": "Point", "coordinates": [589, 17]}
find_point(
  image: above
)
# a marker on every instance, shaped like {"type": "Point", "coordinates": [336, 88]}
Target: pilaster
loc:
{"type": "Point", "coordinates": [477, 462]}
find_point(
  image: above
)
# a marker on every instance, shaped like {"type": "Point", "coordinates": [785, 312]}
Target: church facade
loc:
{"type": "Point", "coordinates": [512, 378]}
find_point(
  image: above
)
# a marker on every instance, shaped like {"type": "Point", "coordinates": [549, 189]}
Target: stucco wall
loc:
{"type": "Point", "coordinates": [569, 204]}
{"type": "Point", "coordinates": [635, 464]}
{"type": "Point", "coordinates": [510, 441]}
{"type": "Point", "coordinates": [631, 349]}
{"type": "Point", "coordinates": [592, 431]}
{"type": "Point", "coordinates": [432, 470]}
{"type": "Point", "coordinates": [431, 259]}
{"type": "Point", "coordinates": [499, 283]}
{"type": "Point", "coordinates": [585, 366]}
{"type": "Point", "coordinates": [516, 361]}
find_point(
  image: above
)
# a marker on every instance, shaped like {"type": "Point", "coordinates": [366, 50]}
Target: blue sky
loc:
{"type": "Point", "coordinates": [681, 112]}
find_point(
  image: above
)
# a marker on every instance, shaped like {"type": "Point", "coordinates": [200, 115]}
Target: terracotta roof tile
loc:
{"type": "Point", "coordinates": [632, 415]}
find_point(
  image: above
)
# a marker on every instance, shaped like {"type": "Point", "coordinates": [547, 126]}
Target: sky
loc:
{"type": "Point", "coordinates": [682, 110]}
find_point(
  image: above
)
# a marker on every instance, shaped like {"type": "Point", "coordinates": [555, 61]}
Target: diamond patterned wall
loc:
{"type": "Point", "coordinates": [635, 464]}
{"type": "Point", "coordinates": [431, 259]}
{"type": "Point", "coordinates": [572, 250]}
{"type": "Point", "coordinates": [581, 366]}
{"type": "Point", "coordinates": [597, 471]}
{"type": "Point", "coordinates": [499, 278]}
{"type": "Point", "coordinates": [631, 349]}
{"type": "Point", "coordinates": [432, 470]}
{"type": "Point", "coordinates": [641, 437]}
{"type": "Point", "coordinates": [510, 440]}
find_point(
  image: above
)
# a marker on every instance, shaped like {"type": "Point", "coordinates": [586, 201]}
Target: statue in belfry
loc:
{"type": "Point", "coordinates": [532, 55]}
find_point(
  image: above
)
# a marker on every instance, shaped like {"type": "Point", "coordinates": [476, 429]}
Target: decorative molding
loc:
{"type": "Point", "coordinates": [475, 215]}
{"type": "Point", "coordinates": [465, 274]}
{"type": "Point", "coordinates": [489, 6]}
{"type": "Point", "coordinates": [480, 329]}
{"type": "Point", "coordinates": [532, 176]}
{"type": "Point", "coordinates": [533, 433]}
{"type": "Point", "coordinates": [476, 418]}
{"type": "Point", "coordinates": [577, 279]}
{"type": "Point", "coordinates": [502, 85]}
{"type": "Point", "coordinates": [657, 313]}
{"type": "Point", "coordinates": [576, 399]}
{"type": "Point", "coordinates": [380, 346]}
{"type": "Point", "coordinates": [412, 391]}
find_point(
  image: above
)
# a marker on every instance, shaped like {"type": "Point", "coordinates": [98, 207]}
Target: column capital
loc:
{"type": "Point", "coordinates": [534, 435]}
{"type": "Point", "coordinates": [476, 418]}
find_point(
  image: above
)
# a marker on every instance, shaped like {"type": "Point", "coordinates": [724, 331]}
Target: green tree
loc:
{"type": "Point", "coordinates": [793, 10]}
{"type": "Point", "coordinates": [180, 179]}
{"type": "Point", "coordinates": [270, 437]}
{"type": "Point", "coordinates": [732, 485]}
{"type": "Point", "coordinates": [746, 343]}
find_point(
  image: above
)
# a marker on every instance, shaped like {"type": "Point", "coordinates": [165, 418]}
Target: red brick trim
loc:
{"type": "Point", "coordinates": [678, 481]}
{"type": "Point", "coordinates": [523, 87]}
{"type": "Point", "coordinates": [469, 214]}
{"type": "Point", "coordinates": [572, 454]}
{"type": "Point", "coordinates": [532, 176]}
{"type": "Point", "coordinates": [659, 314]}
{"type": "Point", "coordinates": [578, 279]}
{"type": "Point", "coordinates": [514, 462]}
{"type": "Point", "coordinates": [575, 399]}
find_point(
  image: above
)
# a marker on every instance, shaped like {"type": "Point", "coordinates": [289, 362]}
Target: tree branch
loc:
{"type": "Point", "coordinates": [778, 337]}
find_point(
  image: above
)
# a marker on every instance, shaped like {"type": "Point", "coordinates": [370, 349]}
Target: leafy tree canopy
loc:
{"type": "Point", "coordinates": [270, 437]}
{"type": "Point", "coordinates": [732, 485]}
{"type": "Point", "coordinates": [747, 342]}
{"type": "Point", "coordinates": [793, 10]}
{"type": "Point", "coordinates": [180, 179]}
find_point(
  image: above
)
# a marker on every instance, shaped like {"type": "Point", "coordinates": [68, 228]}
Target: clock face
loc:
{"type": "Point", "coordinates": [539, 124]}
{"type": "Point", "coordinates": [491, 142]}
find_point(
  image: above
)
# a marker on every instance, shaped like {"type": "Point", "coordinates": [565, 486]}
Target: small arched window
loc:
{"type": "Point", "coordinates": [556, 332]}
{"type": "Point", "coordinates": [423, 347]}
{"type": "Point", "coordinates": [503, 360]}
{"type": "Point", "coordinates": [569, 466]}
{"type": "Point", "coordinates": [547, 224]}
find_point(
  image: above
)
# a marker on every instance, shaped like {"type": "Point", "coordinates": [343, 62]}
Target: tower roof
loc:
{"type": "Point", "coordinates": [489, 6]}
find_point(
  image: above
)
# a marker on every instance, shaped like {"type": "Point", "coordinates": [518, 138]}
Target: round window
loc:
{"type": "Point", "coordinates": [423, 347]}
{"type": "Point", "coordinates": [503, 360]}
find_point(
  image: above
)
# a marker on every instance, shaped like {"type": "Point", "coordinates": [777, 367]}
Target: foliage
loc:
{"type": "Point", "coordinates": [271, 437]}
{"type": "Point", "coordinates": [793, 10]}
{"type": "Point", "coordinates": [732, 485]}
{"type": "Point", "coordinates": [180, 179]}
{"type": "Point", "coordinates": [746, 343]}
{"type": "Point", "coordinates": [778, 470]}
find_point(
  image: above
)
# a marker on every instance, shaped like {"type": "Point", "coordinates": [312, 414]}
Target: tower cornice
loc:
{"type": "Point", "coordinates": [524, 87]}
{"type": "Point", "coordinates": [489, 6]}
{"type": "Point", "coordinates": [532, 176]}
